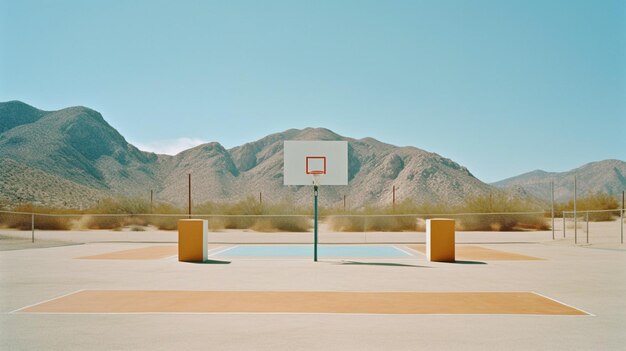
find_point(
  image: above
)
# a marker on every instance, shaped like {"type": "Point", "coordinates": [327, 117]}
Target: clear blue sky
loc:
{"type": "Point", "coordinates": [502, 87]}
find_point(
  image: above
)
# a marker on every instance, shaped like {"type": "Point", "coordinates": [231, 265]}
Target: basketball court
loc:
{"type": "Point", "coordinates": [512, 291]}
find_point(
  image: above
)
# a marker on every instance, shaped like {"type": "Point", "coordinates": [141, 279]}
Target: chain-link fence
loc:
{"type": "Point", "coordinates": [593, 226]}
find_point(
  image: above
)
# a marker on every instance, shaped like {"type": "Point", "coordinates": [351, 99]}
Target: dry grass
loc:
{"type": "Point", "coordinates": [598, 201]}
{"type": "Point", "coordinates": [250, 214]}
{"type": "Point", "coordinates": [395, 219]}
{"type": "Point", "coordinates": [24, 222]}
{"type": "Point", "coordinates": [241, 215]}
{"type": "Point", "coordinates": [500, 202]}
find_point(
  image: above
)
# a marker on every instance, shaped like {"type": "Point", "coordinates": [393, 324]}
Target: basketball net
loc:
{"type": "Point", "coordinates": [316, 177]}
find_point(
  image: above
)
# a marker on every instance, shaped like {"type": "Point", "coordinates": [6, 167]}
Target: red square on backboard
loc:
{"type": "Point", "coordinates": [315, 164]}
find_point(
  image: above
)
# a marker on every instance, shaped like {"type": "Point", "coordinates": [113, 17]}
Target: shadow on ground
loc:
{"type": "Point", "coordinates": [210, 262]}
{"type": "Point", "coordinates": [466, 262]}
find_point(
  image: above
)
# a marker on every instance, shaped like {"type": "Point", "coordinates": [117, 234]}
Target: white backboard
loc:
{"type": "Point", "coordinates": [303, 158]}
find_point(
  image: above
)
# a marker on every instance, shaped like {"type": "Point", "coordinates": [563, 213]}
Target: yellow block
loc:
{"type": "Point", "coordinates": [440, 240]}
{"type": "Point", "coordinates": [192, 240]}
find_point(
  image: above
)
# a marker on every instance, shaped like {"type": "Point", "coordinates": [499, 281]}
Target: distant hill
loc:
{"type": "Point", "coordinates": [77, 144]}
{"type": "Point", "coordinates": [608, 176]}
{"type": "Point", "coordinates": [73, 157]}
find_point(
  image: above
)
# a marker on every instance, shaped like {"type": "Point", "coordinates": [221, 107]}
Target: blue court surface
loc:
{"type": "Point", "coordinates": [329, 251]}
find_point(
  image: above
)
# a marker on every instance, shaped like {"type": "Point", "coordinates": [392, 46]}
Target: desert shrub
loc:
{"type": "Point", "coordinates": [108, 222]}
{"type": "Point", "coordinates": [376, 218]}
{"type": "Point", "coordinates": [490, 214]}
{"type": "Point", "coordinates": [121, 205]}
{"type": "Point", "coordinates": [250, 214]}
{"type": "Point", "coordinates": [282, 223]}
{"type": "Point", "coordinates": [163, 222]}
{"type": "Point", "coordinates": [597, 201]}
{"type": "Point", "coordinates": [373, 223]}
{"type": "Point", "coordinates": [53, 223]}
{"type": "Point", "coordinates": [345, 223]}
{"type": "Point", "coordinates": [501, 222]}
{"type": "Point", "coordinates": [43, 222]}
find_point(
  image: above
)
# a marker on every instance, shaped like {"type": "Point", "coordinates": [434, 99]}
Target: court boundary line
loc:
{"type": "Point", "coordinates": [406, 252]}
{"type": "Point", "coordinates": [308, 313]}
{"type": "Point", "coordinates": [563, 303]}
{"type": "Point", "coordinates": [209, 252]}
{"type": "Point", "coordinates": [48, 300]}
{"type": "Point", "coordinates": [224, 250]}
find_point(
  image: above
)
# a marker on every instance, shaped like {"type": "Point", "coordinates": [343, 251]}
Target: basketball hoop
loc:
{"type": "Point", "coordinates": [316, 176]}
{"type": "Point", "coordinates": [306, 161]}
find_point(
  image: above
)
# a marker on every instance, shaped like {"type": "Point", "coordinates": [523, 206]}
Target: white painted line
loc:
{"type": "Point", "coordinates": [308, 313]}
{"type": "Point", "coordinates": [413, 250]}
{"type": "Point", "coordinates": [224, 250]}
{"type": "Point", "coordinates": [48, 300]}
{"type": "Point", "coordinates": [209, 252]}
{"type": "Point", "coordinates": [217, 248]}
{"type": "Point", "coordinates": [399, 249]}
{"type": "Point", "coordinates": [562, 303]}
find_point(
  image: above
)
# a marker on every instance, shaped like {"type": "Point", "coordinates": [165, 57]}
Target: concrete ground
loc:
{"type": "Point", "coordinates": [588, 277]}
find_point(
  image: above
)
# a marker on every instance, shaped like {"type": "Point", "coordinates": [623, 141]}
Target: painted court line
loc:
{"type": "Point", "coordinates": [48, 300]}
{"type": "Point", "coordinates": [209, 252]}
{"type": "Point", "coordinates": [399, 249]}
{"type": "Point", "coordinates": [224, 250]}
{"type": "Point", "coordinates": [302, 302]}
{"type": "Point", "coordinates": [564, 304]}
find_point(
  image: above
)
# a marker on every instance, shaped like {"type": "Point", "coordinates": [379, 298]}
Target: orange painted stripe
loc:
{"type": "Point", "coordinates": [96, 301]}
{"type": "Point", "coordinates": [144, 253]}
{"type": "Point", "coordinates": [472, 252]}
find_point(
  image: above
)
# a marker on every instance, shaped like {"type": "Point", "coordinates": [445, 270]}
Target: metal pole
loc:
{"type": "Point", "coordinates": [151, 193]}
{"type": "Point", "coordinates": [315, 223]}
{"type": "Point", "coordinates": [189, 195]}
{"type": "Point", "coordinates": [563, 223]}
{"type": "Point", "coordinates": [32, 227]}
{"type": "Point", "coordinates": [260, 198]}
{"type": "Point", "coordinates": [393, 201]}
{"type": "Point", "coordinates": [575, 219]}
{"type": "Point", "coordinates": [344, 203]}
{"type": "Point", "coordinates": [621, 219]}
{"type": "Point", "coordinates": [587, 215]}
{"type": "Point", "coordinates": [552, 187]}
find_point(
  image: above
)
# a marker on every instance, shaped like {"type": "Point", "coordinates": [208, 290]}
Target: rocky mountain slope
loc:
{"type": "Point", "coordinates": [608, 176]}
{"type": "Point", "coordinates": [73, 157]}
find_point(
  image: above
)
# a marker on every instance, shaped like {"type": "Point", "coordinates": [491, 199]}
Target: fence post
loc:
{"type": "Point", "coordinates": [587, 227]}
{"type": "Point", "coordinates": [32, 227]}
{"type": "Point", "coordinates": [621, 219]}
{"type": "Point", "coordinates": [552, 209]}
{"type": "Point", "coordinates": [575, 219]}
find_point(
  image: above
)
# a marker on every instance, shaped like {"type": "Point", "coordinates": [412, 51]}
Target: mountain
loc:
{"type": "Point", "coordinates": [373, 169]}
{"type": "Point", "coordinates": [73, 157]}
{"type": "Point", "coordinates": [75, 144]}
{"type": "Point", "coordinates": [608, 176]}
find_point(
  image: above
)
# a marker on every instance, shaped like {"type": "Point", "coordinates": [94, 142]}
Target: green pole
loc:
{"type": "Point", "coordinates": [315, 223]}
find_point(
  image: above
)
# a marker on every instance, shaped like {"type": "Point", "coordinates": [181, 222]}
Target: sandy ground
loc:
{"type": "Point", "coordinates": [591, 278]}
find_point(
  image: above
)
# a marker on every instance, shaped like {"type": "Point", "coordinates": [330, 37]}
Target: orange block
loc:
{"type": "Point", "coordinates": [440, 240]}
{"type": "Point", "coordinates": [192, 240]}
